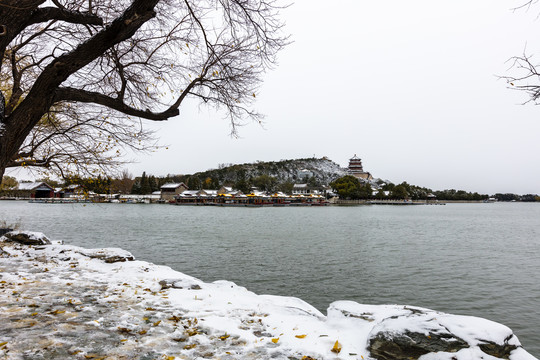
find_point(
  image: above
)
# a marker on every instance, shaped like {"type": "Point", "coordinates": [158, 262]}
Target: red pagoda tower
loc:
{"type": "Point", "coordinates": [356, 169]}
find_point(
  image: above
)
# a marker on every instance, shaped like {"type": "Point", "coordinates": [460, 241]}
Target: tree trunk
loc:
{"type": "Point", "coordinates": [17, 126]}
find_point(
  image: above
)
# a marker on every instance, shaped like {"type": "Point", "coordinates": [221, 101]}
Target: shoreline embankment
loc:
{"type": "Point", "coordinates": [61, 301]}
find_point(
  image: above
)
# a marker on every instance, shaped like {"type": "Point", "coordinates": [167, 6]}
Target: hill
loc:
{"type": "Point", "coordinates": [319, 171]}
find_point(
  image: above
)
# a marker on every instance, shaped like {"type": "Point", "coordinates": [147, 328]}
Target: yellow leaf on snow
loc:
{"type": "Point", "coordinates": [275, 340]}
{"type": "Point", "coordinates": [337, 347]}
{"type": "Point", "coordinates": [301, 336]}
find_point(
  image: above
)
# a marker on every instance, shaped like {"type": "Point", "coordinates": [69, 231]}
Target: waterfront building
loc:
{"type": "Point", "coordinates": [34, 190]}
{"type": "Point", "coordinates": [305, 189]}
{"type": "Point", "coordinates": [357, 170]}
{"type": "Point", "coordinates": [225, 190]}
{"type": "Point", "coordinates": [170, 190]}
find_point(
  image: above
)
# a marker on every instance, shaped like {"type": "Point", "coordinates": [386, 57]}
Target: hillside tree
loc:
{"type": "Point", "coordinates": [74, 73]}
{"type": "Point", "coordinates": [349, 187]}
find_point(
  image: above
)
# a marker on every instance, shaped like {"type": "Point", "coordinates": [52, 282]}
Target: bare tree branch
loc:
{"type": "Point", "coordinates": [52, 13]}
{"type": "Point", "coordinates": [77, 95]}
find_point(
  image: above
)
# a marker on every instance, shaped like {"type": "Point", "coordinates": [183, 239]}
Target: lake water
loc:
{"type": "Point", "coordinates": [470, 259]}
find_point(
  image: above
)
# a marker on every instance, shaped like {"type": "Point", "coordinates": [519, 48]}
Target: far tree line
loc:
{"type": "Point", "coordinates": [346, 187]}
{"type": "Point", "coordinates": [349, 187]}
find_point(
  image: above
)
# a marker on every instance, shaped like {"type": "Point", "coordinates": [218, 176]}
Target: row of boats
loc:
{"type": "Point", "coordinates": [253, 200]}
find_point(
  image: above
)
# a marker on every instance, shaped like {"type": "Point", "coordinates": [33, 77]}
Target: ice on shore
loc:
{"type": "Point", "coordinates": [62, 301]}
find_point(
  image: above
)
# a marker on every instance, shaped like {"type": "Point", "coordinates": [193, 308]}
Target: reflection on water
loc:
{"type": "Point", "coordinates": [472, 259]}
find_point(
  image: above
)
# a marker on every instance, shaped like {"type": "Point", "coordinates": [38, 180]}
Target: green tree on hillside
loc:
{"type": "Point", "coordinates": [286, 187]}
{"type": "Point", "coordinates": [265, 183]}
{"type": "Point", "coordinates": [380, 195]}
{"type": "Point", "coordinates": [399, 192]}
{"type": "Point", "coordinates": [194, 183]}
{"type": "Point", "coordinates": [242, 185]}
{"type": "Point", "coordinates": [349, 187]}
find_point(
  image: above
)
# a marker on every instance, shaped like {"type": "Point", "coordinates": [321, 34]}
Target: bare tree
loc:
{"type": "Point", "coordinates": [79, 75]}
{"type": "Point", "coordinates": [123, 184]}
{"type": "Point", "coordinates": [526, 76]}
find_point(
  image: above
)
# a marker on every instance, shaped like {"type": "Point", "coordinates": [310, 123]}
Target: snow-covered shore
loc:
{"type": "Point", "coordinates": [61, 301]}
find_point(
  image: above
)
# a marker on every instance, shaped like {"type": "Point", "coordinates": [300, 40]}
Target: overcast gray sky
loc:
{"type": "Point", "coordinates": [411, 87]}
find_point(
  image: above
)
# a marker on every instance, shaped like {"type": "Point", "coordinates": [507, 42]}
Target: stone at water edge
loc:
{"type": "Point", "coordinates": [406, 333]}
{"type": "Point", "coordinates": [409, 345]}
{"type": "Point", "coordinates": [109, 255]}
{"type": "Point", "coordinates": [26, 238]}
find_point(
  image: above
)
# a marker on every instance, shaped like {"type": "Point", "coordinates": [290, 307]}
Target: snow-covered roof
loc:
{"type": "Point", "coordinates": [189, 193]}
{"type": "Point", "coordinates": [156, 193]}
{"type": "Point", "coordinates": [300, 186]}
{"type": "Point", "coordinates": [258, 193]}
{"type": "Point", "coordinates": [172, 185]}
{"type": "Point", "coordinates": [33, 186]}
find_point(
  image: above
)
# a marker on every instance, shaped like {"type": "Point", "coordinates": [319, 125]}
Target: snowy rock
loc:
{"type": "Point", "coordinates": [109, 255]}
{"type": "Point", "coordinates": [179, 284]}
{"type": "Point", "coordinates": [412, 345]}
{"type": "Point", "coordinates": [26, 238]}
{"type": "Point", "coordinates": [405, 332]}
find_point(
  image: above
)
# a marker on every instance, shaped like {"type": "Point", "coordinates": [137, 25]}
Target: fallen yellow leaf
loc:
{"type": "Point", "coordinates": [337, 347]}
{"type": "Point", "coordinates": [301, 336]}
{"type": "Point", "coordinates": [275, 340]}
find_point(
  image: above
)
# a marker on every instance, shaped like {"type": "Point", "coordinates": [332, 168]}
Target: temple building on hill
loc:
{"type": "Point", "coordinates": [356, 169]}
